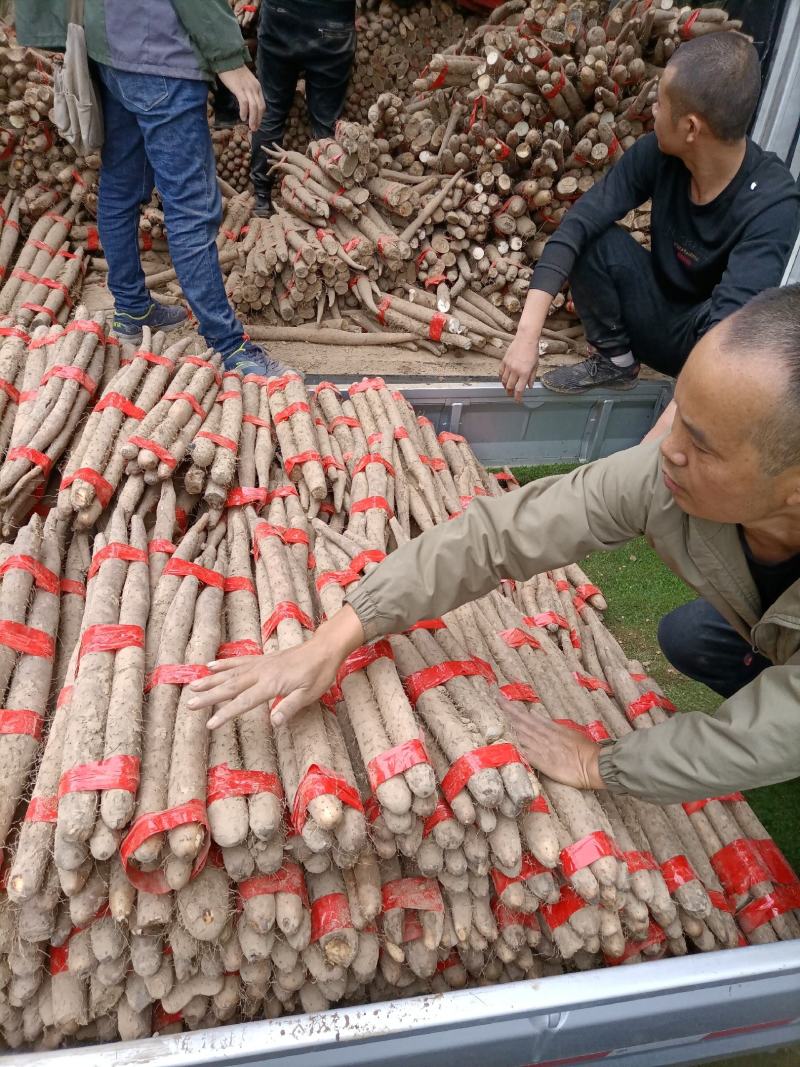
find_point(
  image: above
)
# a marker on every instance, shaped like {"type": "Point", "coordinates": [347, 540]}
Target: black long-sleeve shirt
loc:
{"type": "Point", "coordinates": [725, 251]}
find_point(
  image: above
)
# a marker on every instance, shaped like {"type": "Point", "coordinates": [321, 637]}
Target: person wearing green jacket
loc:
{"type": "Point", "coordinates": [718, 498]}
{"type": "Point", "coordinates": [154, 61]}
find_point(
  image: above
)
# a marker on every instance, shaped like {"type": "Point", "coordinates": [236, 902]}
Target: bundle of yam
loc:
{"type": "Point", "coordinates": [391, 839]}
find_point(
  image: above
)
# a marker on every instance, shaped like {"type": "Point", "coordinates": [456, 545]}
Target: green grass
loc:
{"type": "Point", "coordinates": [640, 589]}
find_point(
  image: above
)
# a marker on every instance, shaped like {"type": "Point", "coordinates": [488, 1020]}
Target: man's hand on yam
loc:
{"type": "Point", "coordinates": [286, 681]}
{"type": "Point", "coordinates": [565, 755]}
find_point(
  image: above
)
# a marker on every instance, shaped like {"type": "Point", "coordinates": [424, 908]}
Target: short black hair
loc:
{"type": "Point", "coordinates": [718, 77]}
{"type": "Point", "coordinates": [770, 324]}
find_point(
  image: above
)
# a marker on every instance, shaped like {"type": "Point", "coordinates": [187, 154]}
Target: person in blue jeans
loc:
{"type": "Point", "coordinates": [313, 38]}
{"type": "Point", "coordinates": [154, 62]}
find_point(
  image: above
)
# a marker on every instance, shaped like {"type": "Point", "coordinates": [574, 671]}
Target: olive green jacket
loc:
{"type": "Point", "coordinates": [175, 38]}
{"type": "Point", "coordinates": [752, 740]}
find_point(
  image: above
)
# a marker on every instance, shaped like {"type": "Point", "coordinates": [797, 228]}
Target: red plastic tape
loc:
{"type": "Point", "coordinates": [739, 866]}
{"type": "Point", "coordinates": [655, 936]}
{"type": "Point", "coordinates": [547, 618]}
{"type": "Point", "coordinates": [520, 691]}
{"type": "Point", "coordinates": [39, 459]}
{"type": "Point", "coordinates": [441, 813]}
{"type": "Point", "coordinates": [691, 806]}
{"type": "Point", "coordinates": [363, 657]}
{"type": "Point", "coordinates": [26, 639]}
{"type": "Point", "coordinates": [110, 639]}
{"type": "Point", "coordinates": [417, 894]}
{"type": "Point", "coordinates": [218, 439]}
{"type": "Point", "coordinates": [776, 863]}
{"type": "Point", "coordinates": [394, 761]}
{"type": "Point", "coordinates": [289, 879]}
{"type": "Point", "coordinates": [233, 649]}
{"type": "Point", "coordinates": [183, 568]}
{"type": "Point", "coordinates": [240, 584]}
{"type": "Point", "coordinates": [74, 374]}
{"type": "Point", "coordinates": [283, 611]}
{"type": "Point", "coordinates": [116, 550]}
{"type": "Point", "coordinates": [529, 868]}
{"type": "Point", "coordinates": [516, 638]}
{"type": "Point", "coordinates": [160, 547]}
{"type": "Point", "coordinates": [429, 677]}
{"type": "Point", "coordinates": [640, 861]}
{"type": "Point", "coordinates": [568, 903]}
{"type": "Point", "coordinates": [585, 681]}
{"type": "Point", "coordinates": [328, 914]}
{"type": "Point", "coordinates": [176, 674]}
{"type": "Point", "coordinates": [321, 781]}
{"type": "Point", "coordinates": [677, 872]}
{"type": "Point", "coordinates": [478, 760]}
{"type": "Point", "coordinates": [103, 489]}
{"type": "Point", "coordinates": [373, 457]}
{"type": "Point", "coordinates": [42, 576]}
{"type": "Point", "coordinates": [21, 721]}
{"type": "Point", "coordinates": [161, 453]}
{"type": "Point", "coordinates": [595, 730]}
{"type": "Point", "coordinates": [42, 809]}
{"type": "Point", "coordinates": [758, 912]}
{"type": "Point", "coordinates": [646, 702]}
{"type": "Point", "coordinates": [343, 420]}
{"type": "Point", "coordinates": [582, 853]}
{"type": "Point", "coordinates": [146, 826]}
{"type": "Point", "coordinates": [246, 495]}
{"type": "Point", "coordinates": [311, 456]}
{"type": "Point", "coordinates": [116, 772]}
{"type": "Point", "coordinates": [289, 535]}
{"type": "Point", "coordinates": [371, 502]}
{"type": "Point", "coordinates": [225, 781]}
{"type": "Point", "coordinates": [299, 406]}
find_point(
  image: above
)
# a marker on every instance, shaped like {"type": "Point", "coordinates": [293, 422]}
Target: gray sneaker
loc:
{"type": "Point", "coordinates": [595, 372]}
{"type": "Point", "coordinates": [250, 358]}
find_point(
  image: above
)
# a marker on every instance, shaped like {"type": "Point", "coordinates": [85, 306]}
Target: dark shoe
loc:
{"type": "Point", "coordinates": [596, 372]}
{"type": "Point", "coordinates": [158, 317]}
{"type": "Point", "coordinates": [250, 358]}
{"type": "Point", "coordinates": [263, 206]}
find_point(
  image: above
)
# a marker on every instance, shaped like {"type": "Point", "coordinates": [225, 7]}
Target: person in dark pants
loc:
{"type": "Point", "coordinates": [316, 38]}
{"type": "Point", "coordinates": [724, 219]}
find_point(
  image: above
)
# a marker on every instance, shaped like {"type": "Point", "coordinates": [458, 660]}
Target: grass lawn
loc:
{"type": "Point", "coordinates": [639, 590]}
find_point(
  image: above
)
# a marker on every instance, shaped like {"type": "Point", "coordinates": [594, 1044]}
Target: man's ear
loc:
{"type": "Point", "coordinates": [793, 496]}
{"type": "Point", "coordinates": [693, 127]}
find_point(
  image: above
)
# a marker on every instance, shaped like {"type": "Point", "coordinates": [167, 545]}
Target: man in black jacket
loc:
{"type": "Point", "coordinates": [724, 218]}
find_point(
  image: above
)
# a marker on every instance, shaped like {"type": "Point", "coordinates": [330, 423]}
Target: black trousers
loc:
{"type": "Point", "coordinates": [699, 643]}
{"type": "Point", "coordinates": [624, 308]}
{"type": "Point", "coordinates": [315, 38]}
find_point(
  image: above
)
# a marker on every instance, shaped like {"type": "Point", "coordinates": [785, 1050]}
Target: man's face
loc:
{"type": "Point", "coordinates": [669, 133]}
{"type": "Point", "coordinates": [712, 463]}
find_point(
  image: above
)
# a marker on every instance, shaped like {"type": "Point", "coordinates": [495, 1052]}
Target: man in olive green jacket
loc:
{"type": "Point", "coordinates": [718, 499]}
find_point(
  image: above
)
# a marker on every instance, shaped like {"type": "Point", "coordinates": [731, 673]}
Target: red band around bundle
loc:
{"type": "Point", "coordinates": [691, 806]}
{"type": "Point", "coordinates": [646, 702]}
{"type": "Point", "coordinates": [254, 420]}
{"type": "Point", "coordinates": [243, 495]}
{"type": "Point", "coordinates": [719, 901]}
{"type": "Point", "coordinates": [582, 853]}
{"type": "Point", "coordinates": [157, 822]}
{"type": "Point", "coordinates": [176, 674]}
{"type": "Point", "coordinates": [655, 936]}
{"type": "Point", "coordinates": [373, 457]}
{"type": "Point", "coordinates": [74, 374]}
{"type": "Point", "coordinates": [103, 489]}
{"type": "Point", "coordinates": [505, 916]}
{"type": "Point", "coordinates": [595, 730]}
{"type": "Point", "coordinates": [429, 677]}
{"type": "Point", "coordinates": [479, 759]}
{"type": "Point", "coordinates": [539, 805]}
{"type": "Point", "coordinates": [10, 390]}
{"type": "Point", "coordinates": [26, 639]}
{"type": "Point", "coordinates": [395, 761]}
{"type": "Point", "coordinates": [529, 868]}
{"type": "Point", "coordinates": [153, 357]}
{"type": "Point", "coordinates": [758, 912]}
{"type": "Point", "coordinates": [39, 459]}
{"type": "Point", "coordinates": [567, 905]}
{"type": "Point", "coordinates": [363, 657]}
{"type": "Point", "coordinates": [640, 861]}
{"type": "Point", "coordinates": [585, 681]}
{"type": "Point", "coordinates": [110, 639]}
{"type": "Point", "coordinates": [161, 453]}
{"type": "Point", "coordinates": [342, 420]}
{"type": "Point", "coordinates": [583, 593]}
{"type": "Point", "coordinates": [289, 879]}
{"type": "Point", "coordinates": [547, 618]}
{"type": "Point", "coordinates": [328, 914]}
{"type": "Point", "coordinates": [218, 439]}
{"type": "Point", "coordinates": [234, 649]}
{"type": "Point", "coordinates": [239, 584]}
{"type": "Point", "coordinates": [310, 456]}
{"type": "Point", "coordinates": [520, 691]}
{"type": "Point", "coordinates": [225, 781]}
{"type": "Point", "coordinates": [441, 813]}
{"type": "Point", "coordinates": [191, 400]}
{"type": "Point", "coordinates": [685, 31]}
{"type": "Point", "coordinates": [372, 809]}
{"type": "Point", "coordinates": [677, 872]}
{"type": "Point", "coordinates": [283, 611]}
{"type": "Point", "coordinates": [42, 809]}
{"type": "Point", "coordinates": [288, 534]}
{"type": "Point", "coordinates": [43, 577]}
{"type": "Point", "coordinates": [22, 722]}
{"type": "Point", "coordinates": [370, 502]}
{"type": "Point", "coordinates": [116, 772]}
{"type": "Point", "coordinates": [292, 409]}
{"type": "Point", "coordinates": [417, 894]}
{"type": "Point", "coordinates": [276, 385]}
{"type": "Point", "coordinates": [455, 438]}
{"type": "Point", "coordinates": [183, 568]}
{"type": "Point", "coordinates": [198, 361]}
{"type": "Point", "coordinates": [15, 331]}
{"type": "Point", "coordinates": [427, 624]}
{"type": "Point", "coordinates": [739, 866]}
{"type": "Point", "coordinates": [516, 638]}
{"type": "Point", "coordinates": [116, 550]}
{"type": "Point", "coordinates": [160, 546]}
{"type": "Point", "coordinates": [321, 781]}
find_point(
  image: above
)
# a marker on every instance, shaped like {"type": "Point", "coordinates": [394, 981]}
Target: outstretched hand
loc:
{"type": "Point", "coordinates": [298, 676]}
{"type": "Point", "coordinates": [565, 755]}
{"type": "Point", "coordinates": [246, 87]}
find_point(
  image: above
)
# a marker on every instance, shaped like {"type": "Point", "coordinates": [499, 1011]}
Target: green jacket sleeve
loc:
{"type": "Point", "coordinates": [546, 524]}
{"type": "Point", "coordinates": [214, 32]}
{"type": "Point", "coordinates": [752, 740]}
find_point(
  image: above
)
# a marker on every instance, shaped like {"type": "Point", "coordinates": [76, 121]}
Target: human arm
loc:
{"type": "Point", "coordinates": [518, 368]}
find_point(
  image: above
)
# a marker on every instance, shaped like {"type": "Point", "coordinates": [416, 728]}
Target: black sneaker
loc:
{"type": "Point", "coordinates": [263, 206]}
{"type": "Point", "coordinates": [250, 358]}
{"type": "Point", "coordinates": [158, 317]}
{"type": "Point", "coordinates": [595, 372]}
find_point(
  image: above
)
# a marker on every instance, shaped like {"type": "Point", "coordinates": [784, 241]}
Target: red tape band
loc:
{"type": "Point", "coordinates": [520, 691]}
{"type": "Point", "coordinates": [232, 649]}
{"type": "Point", "coordinates": [116, 550]}
{"type": "Point", "coordinates": [191, 400]}
{"type": "Point", "coordinates": [153, 357]}
{"type": "Point", "coordinates": [685, 31]}
{"type": "Point", "coordinates": [582, 853]}
{"type": "Point", "coordinates": [288, 534]}
{"type": "Point", "coordinates": [39, 459]}
{"type": "Point", "coordinates": [198, 361]}
{"type": "Point", "coordinates": [276, 385]}
{"type": "Point", "coordinates": [70, 587]}
{"type": "Point", "coordinates": [116, 772]}
{"type": "Point", "coordinates": [240, 584]}
{"type": "Point", "coordinates": [429, 677]}
{"type": "Point", "coordinates": [26, 639]}
{"type": "Point", "coordinates": [373, 457]}
{"type": "Point", "coordinates": [311, 456]}
{"type": "Point", "coordinates": [455, 438]}
{"type": "Point", "coordinates": [645, 703]}
{"type": "Point", "coordinates": [176, 674]}
{"type": "Point", "coordinates": [417, 894]}
{"type": "Point", "coordinates": [594, 730]}
{"type": "Point", "coordinates": [293, 409]}
{"type": "Point", "coordinates": [441, 813]}
{"type": "Point", "coordinates": [146, 826]}
{"type": "Point", "coordinates": [585, 681]}
{"type": "Point", "coordinates": [328, 914]}
{"type": "Point", "coordinates": [161, 453]}
{"type": "Point", "coordinates": [286, 610]}
{"type": "Point", "coordinates": [395, 761]}
{"type": "Point", "coordinates": [655, 936]}
{"type": "Point", "coordinates": [42, 576]}
{"type": "Point", "coordinates": [370, 502]}
{"type": "Point", "coordinates": [254, 420]}
{"type": "Point", "coordinates": [516, 638]}
{"type": "Point", "coordinates": [321, 781]}
{"type": "Point", "coordinates": [557, 914]}
{"type": "Point", "coordinates": [243, 495]}
{"type": "Point", "coordinates": [547, 618]}
{"type": "Point", "coordinates": [160, 547]}
{"type": "Point", "coordinates": [677, 871]}
{"type": "Point", "coordinates": [23, 722]}
{"type": "Point", "coordinates": [478, 760]}
{"type": "Point", "coordinates": [691, 806]}
{"type": "Point", "coordinates": [110, 639]}
{"type": "Point", "coordinates": [771, 906]}
{"type": "Point", "coordinates": [218, 439]}
{"type": "Point", "coordinates": [225, 781]}
{"type": "Point", "coordinates": [121, 403]}
{"type": "Point", "coordinates": [640, 861]}
{"type": "Point", "coordinates": [363, 657]}
{"type": "Point", "coordinates": [739, 866]}
{"type": "Point", "coordinates": [184, 568]}
{"type": "Point", "coordinates": [343, 420]}
{"type": "Point", "coordinates": [42, 809]}
{"type": "Point", "coordinates": [10, 390]}
{"type": "Point", "coordinates": [529, 868]}
{"type": "Point", "coordinates": [71, 374]}
{"type": "Point", "coordinates": [289, 879]}
{"type": "Point", "coordinates": [428, 624]}
{"type": "Point", "coordinates": [103, 490]}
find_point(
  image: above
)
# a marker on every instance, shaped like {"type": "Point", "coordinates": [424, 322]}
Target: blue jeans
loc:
{"type": "Point", "coordinates": [699, 643]}
{"type": "Point", "coordinates": [157, 134]}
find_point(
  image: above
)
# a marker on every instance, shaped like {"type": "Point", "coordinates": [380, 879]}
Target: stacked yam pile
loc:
{"type": "Point", "coordinates": [391, 840]}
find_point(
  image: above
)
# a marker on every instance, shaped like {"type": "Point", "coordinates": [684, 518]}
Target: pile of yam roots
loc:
{"type": "Point", "coordinates": [391, 840]}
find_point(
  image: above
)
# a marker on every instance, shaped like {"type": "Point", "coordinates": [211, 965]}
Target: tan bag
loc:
{"type": "Point", "coordinates": [76, 113]}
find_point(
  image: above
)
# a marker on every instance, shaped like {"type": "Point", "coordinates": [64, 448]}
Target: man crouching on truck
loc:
{"type": "Point", "coordinates": [718, 498]}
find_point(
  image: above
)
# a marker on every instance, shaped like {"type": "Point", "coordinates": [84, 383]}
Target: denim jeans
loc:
{"type": "Point", "coordinates": [157, 133]}
{"type": "Point", "coordinates": [699, 643]}
{"type": "Point", "coordinates": [624, 308]}
{"type": "Point", "coordinates": [315, 37]}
